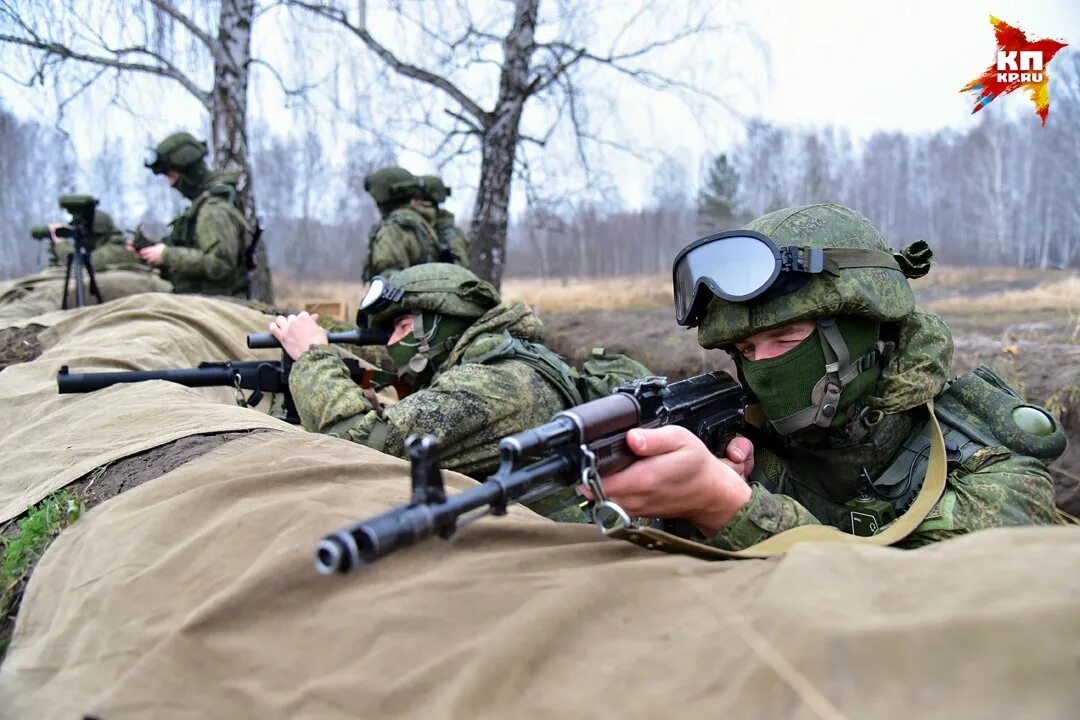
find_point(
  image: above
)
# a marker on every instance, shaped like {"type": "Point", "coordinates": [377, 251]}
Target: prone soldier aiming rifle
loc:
{"type": "Point", "coordinates": [576, 447]}
{"type": "Point", "coordinates": [258, 376]}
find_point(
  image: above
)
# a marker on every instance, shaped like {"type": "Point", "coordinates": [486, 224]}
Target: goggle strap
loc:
{"type": "Point", "coordinates": [837, 259]}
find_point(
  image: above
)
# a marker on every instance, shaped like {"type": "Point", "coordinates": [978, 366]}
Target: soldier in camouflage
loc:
{"type": "Point", "coordinates": [406, 235]}
{"type": "Point", "coordinates": [843, 365]}
{"type": "Point", "coordinates": [205, 251]}
{"type": "Point", "coordinates": [435, 191]}
{"type": "Point", "coordinates": [475, 365]}
{"type": "Point", "coordinates": [105, 238]}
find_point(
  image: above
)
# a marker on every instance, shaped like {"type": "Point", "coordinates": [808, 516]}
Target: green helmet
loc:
{"type": "Point", "coordinates": [436, 288]}
{"type": "Point", "coordinates": [392, 185]}
{"type": "Point", "coordinates": [179, 151]}
{"type": "Point", "coordinates": [814, 384]}
{"type": "Point", "coordinates": [104, 227]}
{"type": "Point", "coordinates": [878, 293]}
{"type": "Point", "coordinates": [434, 189]}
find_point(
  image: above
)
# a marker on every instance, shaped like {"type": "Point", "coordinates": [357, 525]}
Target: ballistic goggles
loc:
{"type": "Point", "coordinates": [380, 295]}
{"type": "Point", "coordinates": [741, 265]}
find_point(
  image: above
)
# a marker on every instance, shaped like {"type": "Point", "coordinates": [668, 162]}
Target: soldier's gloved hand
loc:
{"type": "Point", "coordinates": [297, 333]}
{"type": "Point", "coordinates": [154, 254]}
{"type": "Point", "coordinates": [678, 477]}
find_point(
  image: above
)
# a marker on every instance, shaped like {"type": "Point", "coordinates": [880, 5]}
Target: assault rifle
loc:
{"type": "Point", "coordinates": [258, 376]}
{"type": "Point", "coordinates": [578, 445]}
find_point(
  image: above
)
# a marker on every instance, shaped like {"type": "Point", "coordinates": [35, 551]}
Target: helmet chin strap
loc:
{"type": "Point", "coordinates": [426, 354]}
{"type": "Point", "coordinates": [840, 371]}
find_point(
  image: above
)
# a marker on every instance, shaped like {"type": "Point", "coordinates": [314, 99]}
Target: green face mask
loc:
{"type": "Point", "coordinates": [192, 180]}
{"type": "Point", "coordinates": [784, 384]}
{"type": "Point", "coordinates": [441, 331]}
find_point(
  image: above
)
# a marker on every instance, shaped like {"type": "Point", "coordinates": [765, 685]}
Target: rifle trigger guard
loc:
{"type": "Point", "coordinates": [603, 508]}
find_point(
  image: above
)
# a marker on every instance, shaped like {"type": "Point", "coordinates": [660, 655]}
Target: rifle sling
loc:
{"type": "Point", "coordinates": [932, 489]}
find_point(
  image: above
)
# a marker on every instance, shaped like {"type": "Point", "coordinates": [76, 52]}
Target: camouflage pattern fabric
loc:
{"type": "Point", "coordinates": [108, 243]}
{"type": "Point", "coordinates": [110, 252]}
{"type": "Point", "coordinates": [206, 244]}
{"type": "Point", "coordinates": [453, 236]}
{"type": "Point", "coordinates": [404, 238]}
{"type": "Point", "coordinates": [469, 407]}
{"type": "Point", "coordinates": [794, 486]}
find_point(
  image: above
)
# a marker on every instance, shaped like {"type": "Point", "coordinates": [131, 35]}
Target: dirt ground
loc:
{"type": "Point", "coordinates": [19, 345]}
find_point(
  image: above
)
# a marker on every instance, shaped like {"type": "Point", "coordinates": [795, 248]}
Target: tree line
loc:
{"type": "Point", "coordinates": [1006, 191]}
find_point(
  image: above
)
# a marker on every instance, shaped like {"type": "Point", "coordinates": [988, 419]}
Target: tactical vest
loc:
{"type": "Point", "coordinates": [182, 232]}
{"type": "Point", "coordinates": [975, 411]}
{"type": "Point", "coordinates": [451, 238]}
{"type": "Point", "coordinates": [602, 371]}
{"type": "Point", "coordinates": [432, 248]}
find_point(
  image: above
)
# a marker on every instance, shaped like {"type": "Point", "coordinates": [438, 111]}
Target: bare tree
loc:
{"type": "Point", "coordinates": [118, 39]}
{"type": "Point", "coordinates": [529, 71]}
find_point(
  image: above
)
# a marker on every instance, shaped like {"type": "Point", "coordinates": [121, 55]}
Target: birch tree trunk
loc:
{"type": "Point", "coordinates": [491, 213]}
{"type": "Point", "coordinates": [228, 119]}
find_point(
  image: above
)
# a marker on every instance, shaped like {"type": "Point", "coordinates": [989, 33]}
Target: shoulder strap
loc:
{"type": "Point", "coordinates": [932, 489]}
{"type": "Point", "coordinates": [543, 360]}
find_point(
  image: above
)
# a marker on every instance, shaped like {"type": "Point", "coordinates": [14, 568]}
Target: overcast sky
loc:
{"type": "Point", "coordinates": [864, 65]}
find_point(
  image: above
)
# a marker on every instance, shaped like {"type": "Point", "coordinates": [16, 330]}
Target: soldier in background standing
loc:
{"type": "Point", "coordinates": [436, 192]}
{"type": "Point", "coordinates": [206, 249]}
{"type": "Point", "coordinates": [406, 236]}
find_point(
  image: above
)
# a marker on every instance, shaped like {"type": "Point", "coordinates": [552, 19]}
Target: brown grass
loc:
{"type": "Point", "coordinates": [1055, 290]}
{"type": "Point", "coordinates": [1063, 294]}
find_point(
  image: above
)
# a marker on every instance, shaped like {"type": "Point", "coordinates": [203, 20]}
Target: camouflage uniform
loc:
{"type": "Point", "coordinates": [807, 477]}
{"type": "Point", "coordinates": [108, 243]}
{"type": "Point", "coordinates": [471, 399]}
{"type": "Point", "coordinates": [435, 190]}
{"type": "Point", "coordinates": [206, 246]}
{"type": "Point", "coordinates": [406, 235]}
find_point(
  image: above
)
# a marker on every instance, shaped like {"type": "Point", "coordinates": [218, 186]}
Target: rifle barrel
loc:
{"type": "Point", "coordinates": [359, 336]}
{"type": "Point", "coordinates": [69, 382]}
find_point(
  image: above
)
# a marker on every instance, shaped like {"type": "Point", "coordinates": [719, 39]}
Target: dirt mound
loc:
{"type": "Point", "coordinates": [19, 345]}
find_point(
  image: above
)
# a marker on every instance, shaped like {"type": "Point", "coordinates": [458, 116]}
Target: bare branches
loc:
{"type": "Point", "coordinates": [192, 27]}
{"type": "Point", "coordinates": [162, 69]}
{"type": "Point", "coordinates": [399, 66]}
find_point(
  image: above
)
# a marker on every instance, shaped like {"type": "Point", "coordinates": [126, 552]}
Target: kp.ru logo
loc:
{"type": "Point", "coordinates": [1021, 64]}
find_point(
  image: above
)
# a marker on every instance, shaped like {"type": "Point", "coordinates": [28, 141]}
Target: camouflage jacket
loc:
{"type": "Point", "coordinates": [206, 245]}
{"type": "Point", "coordinates": [453, 236]}
{"type": "Point", "coordinates": [794, 486]}
{"type": "Point", "coordinates": [108, 251]}
{"type": "Point", "coordinates": [468, 406]}
{"type": "Point", "coordinates": [405, 237]}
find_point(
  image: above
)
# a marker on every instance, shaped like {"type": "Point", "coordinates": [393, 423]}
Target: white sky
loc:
{"type": "Point", "coordinates": [864, 65]}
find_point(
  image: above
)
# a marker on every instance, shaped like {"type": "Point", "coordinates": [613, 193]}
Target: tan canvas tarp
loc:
{"type": "Point", "coordinates": [40, 294]}
{"type": "Point", "coordinates": [194, 596]}
{"type": "Point", "coordinates": [49, 440]}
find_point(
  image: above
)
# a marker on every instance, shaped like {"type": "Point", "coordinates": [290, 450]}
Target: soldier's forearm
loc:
{"type": "Point", "coordinates": [766, 514]}
{"type": "Point", "coordinates": [326, 398]}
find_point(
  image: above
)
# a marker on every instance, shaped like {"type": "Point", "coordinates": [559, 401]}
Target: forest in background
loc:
{"type": "Point", "coordinates": [1006, 192]}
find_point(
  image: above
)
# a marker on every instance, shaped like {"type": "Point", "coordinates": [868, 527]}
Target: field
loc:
{"type": "Point", "coordinates": [1024, 322]}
